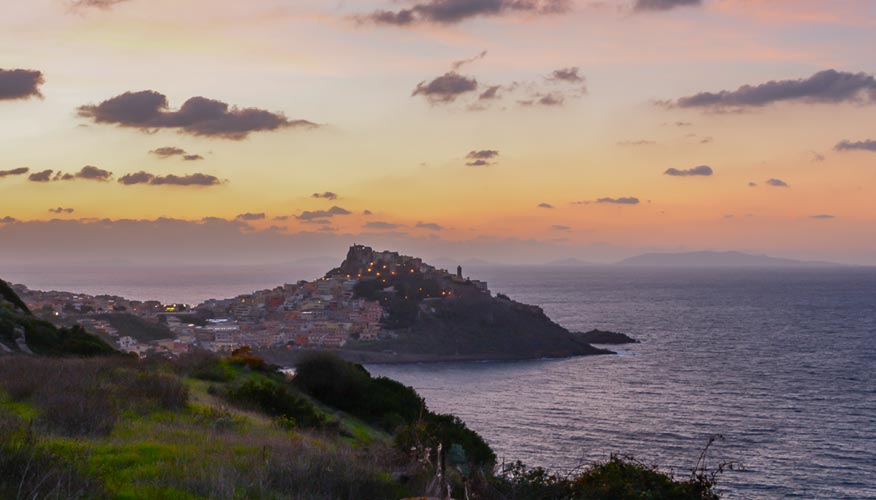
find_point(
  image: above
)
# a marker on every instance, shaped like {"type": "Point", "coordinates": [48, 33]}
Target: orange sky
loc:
{"type": "Point", "coordinates": [590, 106]}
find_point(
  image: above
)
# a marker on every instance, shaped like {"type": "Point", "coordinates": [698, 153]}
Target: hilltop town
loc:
{"type": "Point", "coordinates": [375, 306]}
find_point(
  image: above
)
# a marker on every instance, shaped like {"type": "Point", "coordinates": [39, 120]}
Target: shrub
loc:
{"type": "Point", "coordinates": [276, 399]}
{"type": "Point", "coordinates": [380, 401]}
{"type": "Point", "coordinates": [155, 389]}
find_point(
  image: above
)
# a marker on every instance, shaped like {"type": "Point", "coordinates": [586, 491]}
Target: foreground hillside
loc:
{"type": "Point", "coordinates": [20, 331]}
{"type": "Point", "coordinates": [202, 427]}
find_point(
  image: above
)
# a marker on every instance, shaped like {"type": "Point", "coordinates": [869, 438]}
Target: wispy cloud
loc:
{"type": "Point", "coordinates": [327, 195]}
{"type": "Point", "coordinates": [777, 183]}
{"type": "Point", "coordinates": [251, 216]}
{"type": "Point", "coordinates": [381, 225]}
{"type": "Point", "coordinates": [657, 5]}
{"type": "Point", "coordinates": [431, 226]}
{"type": "Point", "coordinates": [625, 200]}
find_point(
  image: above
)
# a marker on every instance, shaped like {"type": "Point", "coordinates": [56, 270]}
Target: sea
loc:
{"type": "Point", "coordinates": [776, 366]}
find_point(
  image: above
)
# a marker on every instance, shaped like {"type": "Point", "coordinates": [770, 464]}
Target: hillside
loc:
{"type": "Point", "coordinates": [716, 259]}
{"type": "Point", "coordinates": [20, 331]}
{"type": "Point", "coordinates": [203, 427]}
{"type": "Point", "coordinates": [430, 314]}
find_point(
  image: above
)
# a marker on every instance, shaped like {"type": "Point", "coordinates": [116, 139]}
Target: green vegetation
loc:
{"type": "Point", "coordinates": [204, 427]}
{"type": "Point", "coordinates": [41, 336]}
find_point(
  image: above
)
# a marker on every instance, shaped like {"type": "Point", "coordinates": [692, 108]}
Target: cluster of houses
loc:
{"type": "Point", "coordinates": [324, 313]}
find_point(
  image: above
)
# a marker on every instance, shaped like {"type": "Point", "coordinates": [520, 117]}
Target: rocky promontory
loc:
{"type": "Point", "coordinates": [431, 314]}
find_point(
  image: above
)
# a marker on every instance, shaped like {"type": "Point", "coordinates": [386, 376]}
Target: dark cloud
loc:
{"type": "Point", "coordinates": [752, 184]}
{"type": "Point", "coordinates": [566, 75]}
{"type": "Point", "coordinates": [868, 145]}
{"type": "Point", "coordinates": [43, 176]}
{"type": "Point", "coordinates": [454, 11]}
{"type": "Point", "coordinates": [328, 195]}
{"type": "Point", "coordinates": [322, 214]}
{"type": "Point", "coordinates": [646, 5]}
{"type": "Point", "coordinates": [446, 88]}
{"type": "Point", "coordinates": [822, 216]}
{"type": "Point", "coordinates": [90, 172]}
{"type": "Point", "coordinates": [192, 157]}
{"type": "Point", "coordinates": [829, 86]}
{"type": "Point", "coordinates": [367, 212]}
{"type": "Point", "coordinates": [250, 216]}
{"type": "Point", "coordinates": [377, 224]}
{"type": "Point", "coordinates": [62, 176]}
{"type": "Point", "coordinates": [20, 84]}
{"type": "Point", "coordinates": [14, 171]}
{"type": "Point", "coordinates": [431, 226]}
{"type": "Point", "coordinates": [281, 217]}
{"type": "Point", "coordinates": [702, 170]}
{"type": "Point", "coordinates": [545, 205]}
{"type": "Point", "coordinates": [481, 158]}
{"type": "Point", "coordinates": [558, 227]}
{"type": "Point", "coordinates": [777, 183]}
{"type": "Point", "coordinates": [627, 200]}
{"type": "Point", "coordinates": [816, 156]}
{"type": "Point", "coordinates": [8, 220]}
{"type": "Point", "coordinates": [196, 179]}
{"type": "Point", "coordinates": [149, 110]}
{"type": "Point", "coordinates": [61, 210]}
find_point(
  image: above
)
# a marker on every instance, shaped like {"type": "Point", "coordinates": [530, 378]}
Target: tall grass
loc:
{"type": "Point", "coordinates": [80, 397]}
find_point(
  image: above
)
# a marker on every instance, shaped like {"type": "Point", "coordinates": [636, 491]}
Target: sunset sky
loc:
{"type": "Point", "coordinates": [503, 130]}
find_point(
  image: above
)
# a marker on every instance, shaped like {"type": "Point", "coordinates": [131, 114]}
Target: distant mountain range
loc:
{"type": "Point", "coordinates": [717, 259]}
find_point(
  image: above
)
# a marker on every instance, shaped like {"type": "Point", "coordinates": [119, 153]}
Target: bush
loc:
{"type": "Point", "coordinates": [618, 478]}
{"type": "Point", "coordinates": [276, 399]}
{"type": "Point", "coordinates": [380, 401]}
{"type": "Point", "coordinates": [204, 365]}
{"type": "Point", "coordinates": [447, 430]}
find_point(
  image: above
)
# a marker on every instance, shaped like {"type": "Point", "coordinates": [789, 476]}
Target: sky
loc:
{"type": "Point", "coordinates": [511, 131]}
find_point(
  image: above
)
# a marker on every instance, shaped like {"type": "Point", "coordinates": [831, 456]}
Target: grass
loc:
{"type": "Point", "coordinates": [177, 430]}
{"type": "Point", "coordinates": [205, 447]}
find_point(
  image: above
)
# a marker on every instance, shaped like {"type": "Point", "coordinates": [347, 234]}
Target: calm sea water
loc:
{"type": "Point", "coordinates": [781, 363]}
